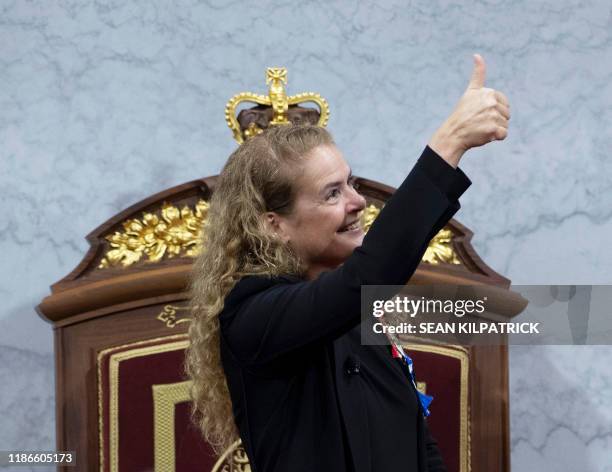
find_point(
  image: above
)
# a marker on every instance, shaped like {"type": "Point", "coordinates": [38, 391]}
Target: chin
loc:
{"type": "Point", "coordinates": [358, 239]}
{"type": "Point", "coordinates": [353, 244]}
{"type": "Point", "coordinates": [345, 245]}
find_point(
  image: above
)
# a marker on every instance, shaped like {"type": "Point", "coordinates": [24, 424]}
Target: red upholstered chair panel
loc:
{"type": "Point", "coordinates": [144, 410]}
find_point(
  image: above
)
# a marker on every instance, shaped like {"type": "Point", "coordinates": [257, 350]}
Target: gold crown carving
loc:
{"type": "Point", "coordinates": [277, 101]}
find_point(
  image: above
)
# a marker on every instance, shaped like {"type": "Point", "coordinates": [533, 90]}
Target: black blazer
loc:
{"type": "Point", "coordinates": [306, 394]}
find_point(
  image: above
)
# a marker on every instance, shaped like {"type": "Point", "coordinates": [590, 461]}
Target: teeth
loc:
{"type": "Point", "coordinates": [350, 227]}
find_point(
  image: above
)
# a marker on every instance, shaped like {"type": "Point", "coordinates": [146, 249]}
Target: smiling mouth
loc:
{"type": "Point", "coordinates": [352, 227]}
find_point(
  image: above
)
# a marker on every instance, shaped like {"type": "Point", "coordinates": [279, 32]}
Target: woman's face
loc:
{"type": "Point", "coordinates": [326, 203]}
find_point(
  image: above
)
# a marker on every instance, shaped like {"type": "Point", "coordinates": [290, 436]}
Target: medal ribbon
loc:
{"type": "Point", "coordinates": [398, 352]}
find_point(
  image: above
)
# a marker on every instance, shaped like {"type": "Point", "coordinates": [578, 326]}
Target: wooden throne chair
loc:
{"type": "Point", "coordinates": [120, 324]}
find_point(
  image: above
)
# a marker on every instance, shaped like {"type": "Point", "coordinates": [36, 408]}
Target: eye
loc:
{"type": "Point", "coordinates": [335, 193]}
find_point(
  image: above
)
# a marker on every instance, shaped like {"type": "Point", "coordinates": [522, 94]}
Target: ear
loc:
{"type": "Point", "coordinates": [276, 224]}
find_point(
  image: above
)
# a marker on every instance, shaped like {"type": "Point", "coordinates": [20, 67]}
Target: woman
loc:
{"type": "Point", "coordinates": [275, 343]}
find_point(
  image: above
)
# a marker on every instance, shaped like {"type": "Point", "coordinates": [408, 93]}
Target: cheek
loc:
{"type": "Point", "coordinates": [335, 220]}
{"type": "Point", "coordinates": [319, 226]}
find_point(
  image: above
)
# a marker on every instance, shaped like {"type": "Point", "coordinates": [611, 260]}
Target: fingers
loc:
{"type": "Point", "coordinates": [500, 134]}
{"type": "Point", "coordinates": [503, 110]}
{"type": "Point", "coordinates": [501, 121]}
{"type": "Point", "coordinates": [497, 100]}
{"type": "Point", "coordinates": [502, 115]}
{"type": "Point", "coordinates": [501, 98]}
{"type": "Point", "coordinates": [502, 106]}
{"type": "Point", "coordinates": [478, 73]}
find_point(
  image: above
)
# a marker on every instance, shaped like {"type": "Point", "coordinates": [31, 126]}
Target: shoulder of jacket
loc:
{"type": "Point", "coordinates": [251, 284]}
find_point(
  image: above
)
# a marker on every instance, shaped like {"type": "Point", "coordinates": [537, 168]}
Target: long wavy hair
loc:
{"type": "Point", "coordinates": [258, 177]}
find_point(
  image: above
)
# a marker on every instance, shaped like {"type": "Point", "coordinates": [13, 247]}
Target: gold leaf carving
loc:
{"type": "Point", "coordinates": [170, 232]}
{"type": "Point", "coordinates": [440, 249]}
{"type": "Point", "coordinates": [368, 216]}
{"type": "Point", "coordinates": [234, 459]}
{"type": "Point", "coordinates": [168, 316]}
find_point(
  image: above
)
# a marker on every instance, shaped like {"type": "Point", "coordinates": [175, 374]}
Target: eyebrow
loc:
{"type": "Point", "coordinates": [336, 183]}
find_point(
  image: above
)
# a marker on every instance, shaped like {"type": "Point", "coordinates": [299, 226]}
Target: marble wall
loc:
{"type": "Point", "coordinates": [103, 103]}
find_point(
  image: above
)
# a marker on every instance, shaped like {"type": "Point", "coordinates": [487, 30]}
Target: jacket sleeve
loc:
{"type": "Point", "coordinates": [284, 317]}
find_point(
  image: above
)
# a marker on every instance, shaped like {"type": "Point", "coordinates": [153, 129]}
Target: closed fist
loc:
{"type": "Point", "coordinates": [482, 113]}
{"type": "Point", "coordinates": [481, 116]}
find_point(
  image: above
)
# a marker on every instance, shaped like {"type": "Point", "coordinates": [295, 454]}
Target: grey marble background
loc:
{"type": "Point", "coordinates": [105, 103]}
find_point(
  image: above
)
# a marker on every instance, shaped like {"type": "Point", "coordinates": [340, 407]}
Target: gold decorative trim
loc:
{"type": "Point", "coordinates": [168, 315]}
{"type": "Point", "coordinates": [171, 232]}
{"type": "Point", "coordinates": [369, 215]}
{"type": "Point", "coordinates": [276, 78]}
{"type": "Point", "coordinates": [113, 364]}
{"type": "Point", "coordinates": [234, 459]}
{"type": "Point", "coordinates": [165, 399]}
{"type": "Point", "coordinates": [168, 232]}
{"type": "Point", "coordinates": [439, 250]}
{"type": "Point", "coordinates": [460, 353]}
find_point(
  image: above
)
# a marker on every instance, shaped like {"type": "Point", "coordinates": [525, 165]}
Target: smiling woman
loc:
{"type": "Point", "coordinates": [276, 357]}
{"type": "Point", "coordinates": [324, 226]}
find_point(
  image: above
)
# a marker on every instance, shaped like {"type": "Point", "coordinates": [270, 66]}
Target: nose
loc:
{"type": "Point", "coordinates": [356, 202]}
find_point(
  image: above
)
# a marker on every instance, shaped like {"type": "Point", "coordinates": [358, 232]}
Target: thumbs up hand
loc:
{"type": "Point", "coordinates": [481, 116]}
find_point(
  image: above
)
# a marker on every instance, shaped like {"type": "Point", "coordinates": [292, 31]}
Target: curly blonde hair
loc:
{"type": "Point", "coordinates": [258, 177]}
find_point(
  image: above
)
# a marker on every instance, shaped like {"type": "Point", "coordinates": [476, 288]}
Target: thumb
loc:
{"type": "Point", "coordinates": [478, 74]}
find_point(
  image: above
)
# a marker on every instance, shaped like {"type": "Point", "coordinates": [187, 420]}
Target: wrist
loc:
{"type": "Point", "coordinates": [447, 146]}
